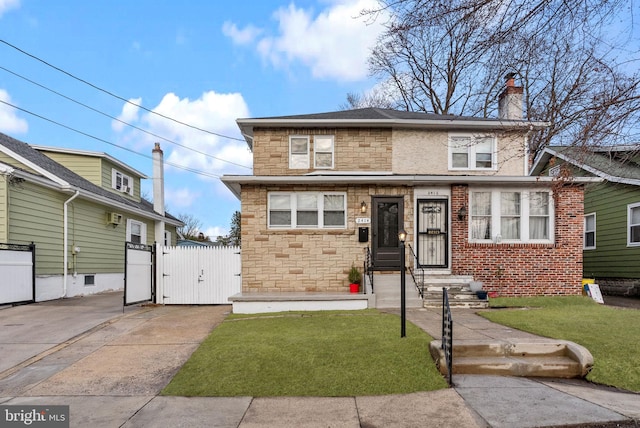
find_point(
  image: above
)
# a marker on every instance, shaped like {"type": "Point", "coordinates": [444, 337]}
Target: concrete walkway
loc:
{"type": "Point", "coordinates": [109, 366]}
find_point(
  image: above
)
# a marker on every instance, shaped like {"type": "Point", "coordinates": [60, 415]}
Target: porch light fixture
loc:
{"type": "Point", "coordinates": [402, 236]}
{"type": "Point", "coordinates": [363, 207]}
{"type": "Point", "coordinates": [462, 213]}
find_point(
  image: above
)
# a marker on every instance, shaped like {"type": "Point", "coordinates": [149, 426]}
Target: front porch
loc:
{"type": "Point", "coordinates": [384, 294]}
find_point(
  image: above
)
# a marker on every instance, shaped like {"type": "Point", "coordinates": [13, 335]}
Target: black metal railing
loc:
{"type": "Point", "coordinates": [447, 335]}
{"type": "Point", "coordinates": [418, 282]}
{"type": "Point", "coordinates": [368, 269]}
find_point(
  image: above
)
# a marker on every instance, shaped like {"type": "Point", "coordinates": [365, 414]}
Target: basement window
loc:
{"type": "Point", "coordinates": [89, 280]}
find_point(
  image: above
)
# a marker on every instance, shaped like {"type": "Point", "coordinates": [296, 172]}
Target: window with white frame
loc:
{"type": "Point", "coordinates": [323, 151]}
{"type": "Point", "coordinates": [633, 216]}
{"type": "Point", "coordinates": [474, 152]}
{"type": "Point", "coordinates": [307, 210]}
{"type": "Point", "coordinates": [121, 182]}
{"type": "Point", "coordinates": [589, 231]}
{"type": "Point", "coordinates": [298, 152]}
{"type": "Point", "coordinates": [511, 215]}
{"type": "Point", "coordinates": [136, 232]}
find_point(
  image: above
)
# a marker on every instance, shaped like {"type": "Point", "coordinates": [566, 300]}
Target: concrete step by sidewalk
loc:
{"type": "Point", "coordinates": [547, 358]}
{"type": "Point", "coordinates": [460, 296]}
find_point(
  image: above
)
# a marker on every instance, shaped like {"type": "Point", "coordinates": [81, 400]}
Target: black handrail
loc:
{"type": "Point", "coordinates": [447, 335]}
{"type": "Point", "coordinates": [418, 283]}
{"type": "Point", "coordinates": [368, 269]}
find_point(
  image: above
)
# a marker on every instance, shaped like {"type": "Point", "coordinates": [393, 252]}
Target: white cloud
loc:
{"type": "Point", "coordinates": [7, 5]}
{"type": "Point", "coordinates": [180, 198]}
{"type": "Point", "coordinates": [210, 153]}
{"type": "Point", "coordinates": [9, 121]}
{"type": "Point", "coordinates": [214, 232]}
{"type": "Point", "coordinates": [334, 44]}
{"type": "Point", "coordinates": [128, 114]}
{"type": "Point", "coordinates": [240, 37]}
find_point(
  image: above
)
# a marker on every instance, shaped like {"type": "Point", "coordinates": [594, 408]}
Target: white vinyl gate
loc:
{"type": "Point", "coordinates": [138, 271]}
{"type": "Point", "coordinates": [17, 270]}
{"type": "Point", "coordinates": [197, 275]}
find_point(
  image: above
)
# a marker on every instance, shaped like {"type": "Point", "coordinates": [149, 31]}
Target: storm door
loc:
{"type": "Point", "coordinates": [388, 215]}
{"type": "Point", "coordinates": [433, 235]}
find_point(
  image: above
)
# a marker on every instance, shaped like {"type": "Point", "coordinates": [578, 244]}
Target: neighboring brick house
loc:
{"type": "Point", "coordinates": [327, 187]}
{"type": "Point", "coordinates": [611, 210]}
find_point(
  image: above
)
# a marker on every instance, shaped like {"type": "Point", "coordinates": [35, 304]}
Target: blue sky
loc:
{"type": "Point", "coordinates": [204, 63]}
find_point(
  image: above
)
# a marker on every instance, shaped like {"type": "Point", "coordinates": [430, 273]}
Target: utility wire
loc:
{"type": "Point", "coordinates": [195, 171]}
{"type": "Point", "coordinates": [119, 120]}
{"type": "Point", "coordinates": [115, 95]}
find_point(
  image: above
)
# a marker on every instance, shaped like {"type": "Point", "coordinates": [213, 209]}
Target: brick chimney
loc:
{"type": "Point", "coordinates": [158, 190]}
{"type": "Point", "coordinates": [510, 100]}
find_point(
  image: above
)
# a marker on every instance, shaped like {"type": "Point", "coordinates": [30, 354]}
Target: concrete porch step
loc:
{"type": "Point", "coordinates": [547, 358]}
{"type": "Point", "coordinates": [460, 296]}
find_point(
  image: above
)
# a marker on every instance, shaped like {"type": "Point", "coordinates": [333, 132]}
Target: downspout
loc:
{"type": "Point", "coordinates": [66, 242]}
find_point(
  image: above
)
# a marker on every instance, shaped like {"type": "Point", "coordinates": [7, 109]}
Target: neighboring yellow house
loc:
{"type": "Point", "coordinates": [79, 208]}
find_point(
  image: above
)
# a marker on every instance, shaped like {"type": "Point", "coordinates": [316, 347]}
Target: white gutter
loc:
{"type": "Point", "coordinates": [66, 242]}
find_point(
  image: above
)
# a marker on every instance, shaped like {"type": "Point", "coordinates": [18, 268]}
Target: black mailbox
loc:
{"type": "Point", "coordinates": [363, 234]}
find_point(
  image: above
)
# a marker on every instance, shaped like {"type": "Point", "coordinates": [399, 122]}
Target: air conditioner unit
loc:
{"type": "Point", "coordinates": [126, 189]}
{"type": "Point", "coordinates": [114, 218]}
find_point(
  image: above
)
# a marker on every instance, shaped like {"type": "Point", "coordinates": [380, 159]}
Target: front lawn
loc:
{"type": "Point", "coordinates": [329, 354]}
{"type": "Point", "coordinates": [610, 334]}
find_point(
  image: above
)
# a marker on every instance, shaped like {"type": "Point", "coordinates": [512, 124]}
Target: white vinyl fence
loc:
{"type": "Point", "coordinates": [197, 275]}
{"type": "Point", "coordinates": [17, 270]}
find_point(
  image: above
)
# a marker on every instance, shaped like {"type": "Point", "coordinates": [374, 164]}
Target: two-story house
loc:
{"type": "Point", "coordinates": [330, 189]}
{"type": "Point", "coordinates": [79, 208]}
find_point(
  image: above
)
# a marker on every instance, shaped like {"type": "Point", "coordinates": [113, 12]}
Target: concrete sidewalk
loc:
{"type": "Point", "coordinates": [111, 374]}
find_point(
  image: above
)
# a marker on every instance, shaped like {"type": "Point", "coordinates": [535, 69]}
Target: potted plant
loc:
{"type": "Point", "coordinates": [355, 277]}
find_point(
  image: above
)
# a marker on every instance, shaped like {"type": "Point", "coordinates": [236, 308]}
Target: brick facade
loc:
{"type": "Point", "coordinates": [525, 269]}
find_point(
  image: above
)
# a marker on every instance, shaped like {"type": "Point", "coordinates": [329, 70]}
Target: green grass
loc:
{"type": "Point", "coordinates": [345, 353]}
{"type": "Point", "coordinates": [610, 334]}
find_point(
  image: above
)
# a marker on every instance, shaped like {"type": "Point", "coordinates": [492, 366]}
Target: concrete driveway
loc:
{"type": "Point", "coordinates": [92, 346]}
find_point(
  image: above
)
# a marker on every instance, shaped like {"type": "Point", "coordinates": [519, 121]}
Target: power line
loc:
{"type": "Point", "coordinates": [119, 120]}
{"type": "Point", "coordinates": [115, 95]}
{"type": "Point", "coordinates": [185, 168]}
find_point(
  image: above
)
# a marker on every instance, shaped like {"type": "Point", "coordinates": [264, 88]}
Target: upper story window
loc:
{"type": "Point", "coordinates": [323, 151]}
{"type": "Point", "coordinates": [590, 231]}
{"type": "Point", "coordinates": [472, 152]}
{"type": "Point", "coordinates": [505, 215]}
{"type": "Point", "coordinates": [120, 182]}
{"type": "Point", "coordinates": [298, 152]}
{"type": "Point", "coordinates": [136, 232]}
{"type": "Point", "coordinates": [633, 219]}
{"type": "Point", "coordinates": [307, 210]}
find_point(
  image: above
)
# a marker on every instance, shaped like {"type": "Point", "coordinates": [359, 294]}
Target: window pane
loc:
{"type": "Point", "coordinates": [334, 202]}
{"type": "Point", "coordinates": [299, 161]}
{"type": "Point", "coordinates": [460, 144]}
{"type": "Point", "coordinates": [460, 160]}
{"type": "Point", "coordinates": [299, 146]}
{"type": "Point", "coordinates": [538, 228]}
{"type": "Point", "coordinates": [510, 227]}
{"type": "Point", "coordinates": [307, 201]}
{"type": "Point", "coordinates": [510, 203]}
{"type": "Point", "coordinates": [539, 203]}
{"type": "Point", "coordinates": [136, 229]}
{"type": "Point", "coordinates": [590, 222]}
{"type": "Point", "coordinates": [324, 160]}
{"type": "Point", "coordinates": [590, 239]}
{"type": "Point", "coordinates": [307, 218]}
{"type": "Point", "coordinates": [280, 218]}
{"type": "Point", "coordinates": [635, 234]}
{"type": "Point", "coordinates": [481, 203]}
{"type": "Point", "coordinates": [323, 144]}
{"type": "Point", "coordinates": [334, 218]}
{"type": "Point", "coordinates": [481, 228]}
{"type": "Point", "coordinates": [279, 202]}
{"type": "Point", "coordinates": [483, 160]}
{"type": "Point", "coordinates": [635, 215]}
{"type": "Point", "coordinates": [483, 145]}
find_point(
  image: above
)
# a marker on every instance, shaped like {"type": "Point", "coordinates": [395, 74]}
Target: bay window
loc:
{"type": "Point", "coordinates": [511, 215]}
{"type": "Point", "coordinates": [307, 210]}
